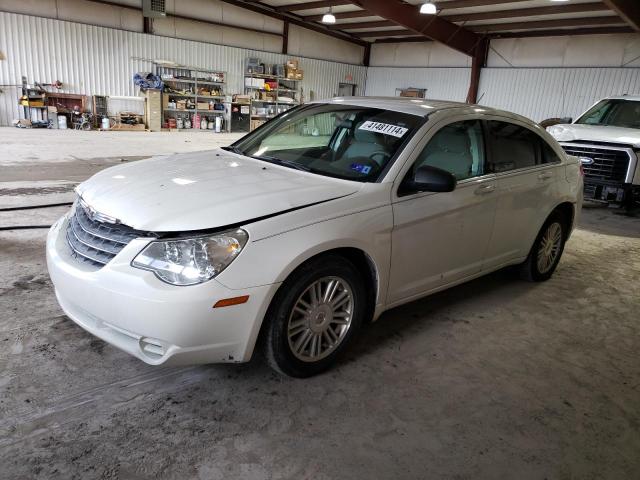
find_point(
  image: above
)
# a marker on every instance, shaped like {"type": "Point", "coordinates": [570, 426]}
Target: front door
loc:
{"type": "Point", "coordinates": [440, 238]}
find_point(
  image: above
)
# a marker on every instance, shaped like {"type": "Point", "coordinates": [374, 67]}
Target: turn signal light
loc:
{"type": "Point", "coordinates": [228, 302]}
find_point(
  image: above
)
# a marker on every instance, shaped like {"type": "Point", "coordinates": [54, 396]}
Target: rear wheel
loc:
{"type": "Point", "coordinates": [546, 251]}
{"type": "Point", "coordinates": [314, 316]}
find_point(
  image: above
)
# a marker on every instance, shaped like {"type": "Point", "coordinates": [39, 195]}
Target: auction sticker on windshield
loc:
{"type": "Point", "coordinates": [384, 128]}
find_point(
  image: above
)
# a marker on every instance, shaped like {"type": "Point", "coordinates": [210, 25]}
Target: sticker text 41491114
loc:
{"type": "Point", "coordinates": [384, 128]}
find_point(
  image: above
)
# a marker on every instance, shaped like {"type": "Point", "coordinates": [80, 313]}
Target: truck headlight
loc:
{"type": "Point", "coordinates": [190, 261]}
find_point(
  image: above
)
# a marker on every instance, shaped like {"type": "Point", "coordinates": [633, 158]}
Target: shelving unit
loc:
{"type": "Point", "coordinates": [34, 104]}
{"type": "Point", "coordinates": [271, 101]}
{"type": "Point", "coordinates": [194, 87]}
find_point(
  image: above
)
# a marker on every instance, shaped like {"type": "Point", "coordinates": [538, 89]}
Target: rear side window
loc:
{"type": "Point", "coordinates": [512, 147]}
{"type": "Point", "coordinates": [549, 155]}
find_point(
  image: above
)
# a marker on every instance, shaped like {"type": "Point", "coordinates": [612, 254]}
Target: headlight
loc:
{"type": "Point", "coordinates": [191, 260]}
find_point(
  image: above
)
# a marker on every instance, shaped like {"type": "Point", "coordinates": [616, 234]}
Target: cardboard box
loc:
{"type": "Point", "coordinates": [299, 74]}
{"type": "Point", "coordinates": [292, 64]}
{"type": "Point", "coordinates": [243, 99]}
{"type": "Point", "coordinates": [256, 123]}
{"type": "Point", "coordinates": [291, 73]}
{"type": "Point", "coordinates": [203, 106]}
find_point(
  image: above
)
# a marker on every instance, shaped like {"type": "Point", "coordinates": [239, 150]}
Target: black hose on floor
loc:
{"type": "Point", "coordinates": [31, 207]}
{"type": "Point", "coordinates": [24, 227]}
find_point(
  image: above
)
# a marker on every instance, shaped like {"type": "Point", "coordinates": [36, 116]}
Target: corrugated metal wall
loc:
{"type": "Point", "coordinates": [540, 93]}
{"type": "Point", "coordinates": [441, 83]}
{"type": "Point", "coordinates": [101, 61]}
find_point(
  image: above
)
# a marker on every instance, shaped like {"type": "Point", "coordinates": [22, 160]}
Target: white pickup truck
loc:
{"type": "Point", "coordinates": [606, 138]}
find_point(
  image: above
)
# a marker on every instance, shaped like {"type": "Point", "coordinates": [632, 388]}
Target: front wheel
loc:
{"type": "Point", "coordinates": [314, 316]}
{"type": "Point", "coordinates": [546, 251]}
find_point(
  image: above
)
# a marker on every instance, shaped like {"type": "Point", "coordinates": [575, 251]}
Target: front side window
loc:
{"type": "Point", "coordinates": [615, 113]}
{"type": "Point", "coordinates": [457, 148]}
{"type": "Point", "coordinates": [344, 141]}
{"type": "Point", "coordinates": [512, 147]}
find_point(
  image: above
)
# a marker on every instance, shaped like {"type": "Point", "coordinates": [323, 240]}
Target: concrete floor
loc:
{"type": "Point", "coordinates": [493, 379]}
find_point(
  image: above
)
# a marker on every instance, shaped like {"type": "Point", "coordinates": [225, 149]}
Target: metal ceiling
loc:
{"type": "Point", "coordinates": [358, 21]}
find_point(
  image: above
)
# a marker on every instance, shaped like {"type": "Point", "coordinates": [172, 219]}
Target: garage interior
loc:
{"type": "Point", "coordinates": [495, 378]}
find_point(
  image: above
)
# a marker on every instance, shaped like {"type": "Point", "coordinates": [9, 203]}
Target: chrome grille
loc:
{"type": "Point", "coordinates": [96, 242]}
{"type": "Point", "coordinates": [608, 163]}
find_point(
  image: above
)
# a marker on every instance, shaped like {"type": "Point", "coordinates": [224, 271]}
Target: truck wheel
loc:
{"type": "Point", "coordinates": [546, 251]}
{"type": "Point", "coordinates": [314, 316]}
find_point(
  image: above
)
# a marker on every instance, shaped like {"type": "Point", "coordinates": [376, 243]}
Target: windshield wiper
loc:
{"type": "Point", "coordinates": [280, 161]}
{"type": "Point", "coordinates": [233, 149]}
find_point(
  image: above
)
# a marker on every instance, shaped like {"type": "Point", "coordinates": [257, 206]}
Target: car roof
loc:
{"type": "Point", "coordinates": [420, 106]}
{"type": "Point", "coordinates": [634, 98]}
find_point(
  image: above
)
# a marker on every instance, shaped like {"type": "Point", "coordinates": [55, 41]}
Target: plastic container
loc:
{"type": "Point", "coordinates": [62, 122]}
{"type": "Point", "coordinates": [105, 123]}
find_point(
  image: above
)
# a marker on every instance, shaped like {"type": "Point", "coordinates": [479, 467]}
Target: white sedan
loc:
{"type": "Point", "coordinates": [304, 230]}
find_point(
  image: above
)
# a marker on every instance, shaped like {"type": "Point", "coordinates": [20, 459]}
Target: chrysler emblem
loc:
{"type": "Point", "coordinates": [96, 216]}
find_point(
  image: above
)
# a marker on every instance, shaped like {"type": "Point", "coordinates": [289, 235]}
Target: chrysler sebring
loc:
{"type": "Point", "coordinates": [301, 232]}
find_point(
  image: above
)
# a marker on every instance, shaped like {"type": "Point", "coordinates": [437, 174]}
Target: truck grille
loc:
{"type": "Point", "coordinates": [608, 164]}
{"type": "Point", "coordinates": [95, 242]}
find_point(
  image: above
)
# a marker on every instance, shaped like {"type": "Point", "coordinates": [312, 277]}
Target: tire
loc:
{"type": "Point", "coordinates": [546, 251]}
{"type": "Point", "coordinates": [299, 332]}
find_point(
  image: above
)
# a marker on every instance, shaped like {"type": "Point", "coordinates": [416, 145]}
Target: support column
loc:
{"type": "Point", "coordinates": [285, 37]}
{"type": "Point", "coordinates": [479, 61]}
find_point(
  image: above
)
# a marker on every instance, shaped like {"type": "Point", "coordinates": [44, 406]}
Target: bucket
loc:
{"type": "Point", "coordinates": [218, 124]}
{"type": "Point", "coordinates": [105, 123]}
{"type": "Point", "coordinates": [62, 122]}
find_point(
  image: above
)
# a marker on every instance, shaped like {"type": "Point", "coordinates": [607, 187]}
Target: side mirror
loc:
{"type": "Point", "coordinates": [429, 179]}
{"type": "Point", "coordinates": [567, 120]}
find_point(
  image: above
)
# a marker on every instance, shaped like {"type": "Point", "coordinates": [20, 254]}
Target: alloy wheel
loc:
{"type": "Point", "coordinates": [320, 319]}
{"type": "Point", "coordinates": [549, 249]}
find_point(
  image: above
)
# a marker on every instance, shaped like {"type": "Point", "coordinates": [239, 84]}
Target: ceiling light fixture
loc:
{"type": "Point", "coordinates": [329, 17]}
{"type": "Point", "coordinates": [428, 8]}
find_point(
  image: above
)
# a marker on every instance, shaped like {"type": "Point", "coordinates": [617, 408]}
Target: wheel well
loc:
{"type": "Point", "coordinates": [365, 266]}
{"type": "Point", "coordinates": [566, 209]}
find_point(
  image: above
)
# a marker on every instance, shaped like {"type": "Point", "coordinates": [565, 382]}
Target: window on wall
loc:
{"type": "Point", "coordinates": [512, 147]}
{"type": "Point", "coordinates": [457, 148]}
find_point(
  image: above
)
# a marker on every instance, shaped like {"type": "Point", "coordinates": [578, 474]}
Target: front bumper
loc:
{"type": "Point", "coordinates": [156, 322]}
{"type": "Point", "coordinates": [609, 191]}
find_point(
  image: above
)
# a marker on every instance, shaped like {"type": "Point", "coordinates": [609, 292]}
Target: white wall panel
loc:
{"type": "Point", "coordinates": [540, 93]}
{"type": "Point", "coordinates": [614, 50]}
{"type": "Point", "coordinates": [101, 61]}
{"type": "Point", "coordinates": [308, 43]}
{"type": "Point", "coordinates": [441, 83]}
{"type": "Point", "coordinates": [417, 54]}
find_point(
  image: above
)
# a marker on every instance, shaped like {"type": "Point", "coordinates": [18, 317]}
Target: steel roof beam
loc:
{"type": "Point", "coordinates": [431, 26]}
{"type": "Point", "coordinates": [629, 10]}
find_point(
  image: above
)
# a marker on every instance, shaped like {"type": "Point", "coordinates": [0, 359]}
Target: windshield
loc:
{"type": "Point", "coordinates": [614, 113]}
{"type": "Point", "coordinates": [343, 141]}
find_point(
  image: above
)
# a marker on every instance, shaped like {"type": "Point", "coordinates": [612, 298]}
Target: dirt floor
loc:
{"type": "Point", "coordinates": [493, 379]}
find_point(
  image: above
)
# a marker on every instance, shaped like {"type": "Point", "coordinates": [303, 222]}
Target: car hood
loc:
{"type": "Point", "coordinates": [204, 190]}
{"type": "Point", "coordinates": [597, 133]}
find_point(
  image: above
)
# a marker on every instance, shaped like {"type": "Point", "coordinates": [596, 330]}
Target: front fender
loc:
{"type": "Point", "coordinates": [272, 259]}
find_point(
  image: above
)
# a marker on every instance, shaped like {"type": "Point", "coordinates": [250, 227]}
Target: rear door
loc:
{"type": "Point", "coordinates": [526, 170]}
{"type": "Point", "coordinates": [439, 238]}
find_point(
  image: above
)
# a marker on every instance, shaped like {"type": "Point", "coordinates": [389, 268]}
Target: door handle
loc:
{"type": "Point", "coordinates": [484, 189]}
{"type": "Point", "coordinates": [545, 175]}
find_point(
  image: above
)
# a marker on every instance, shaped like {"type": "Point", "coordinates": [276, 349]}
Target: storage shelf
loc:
{"type": "Point", "coordinates": [210, 97]}
{"type": "Point", "coordinates": [271, 77]}
{"type": "Point", "coordinates": [190, 110]}
{"type": "Point", "coordinates": [199, 82]}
